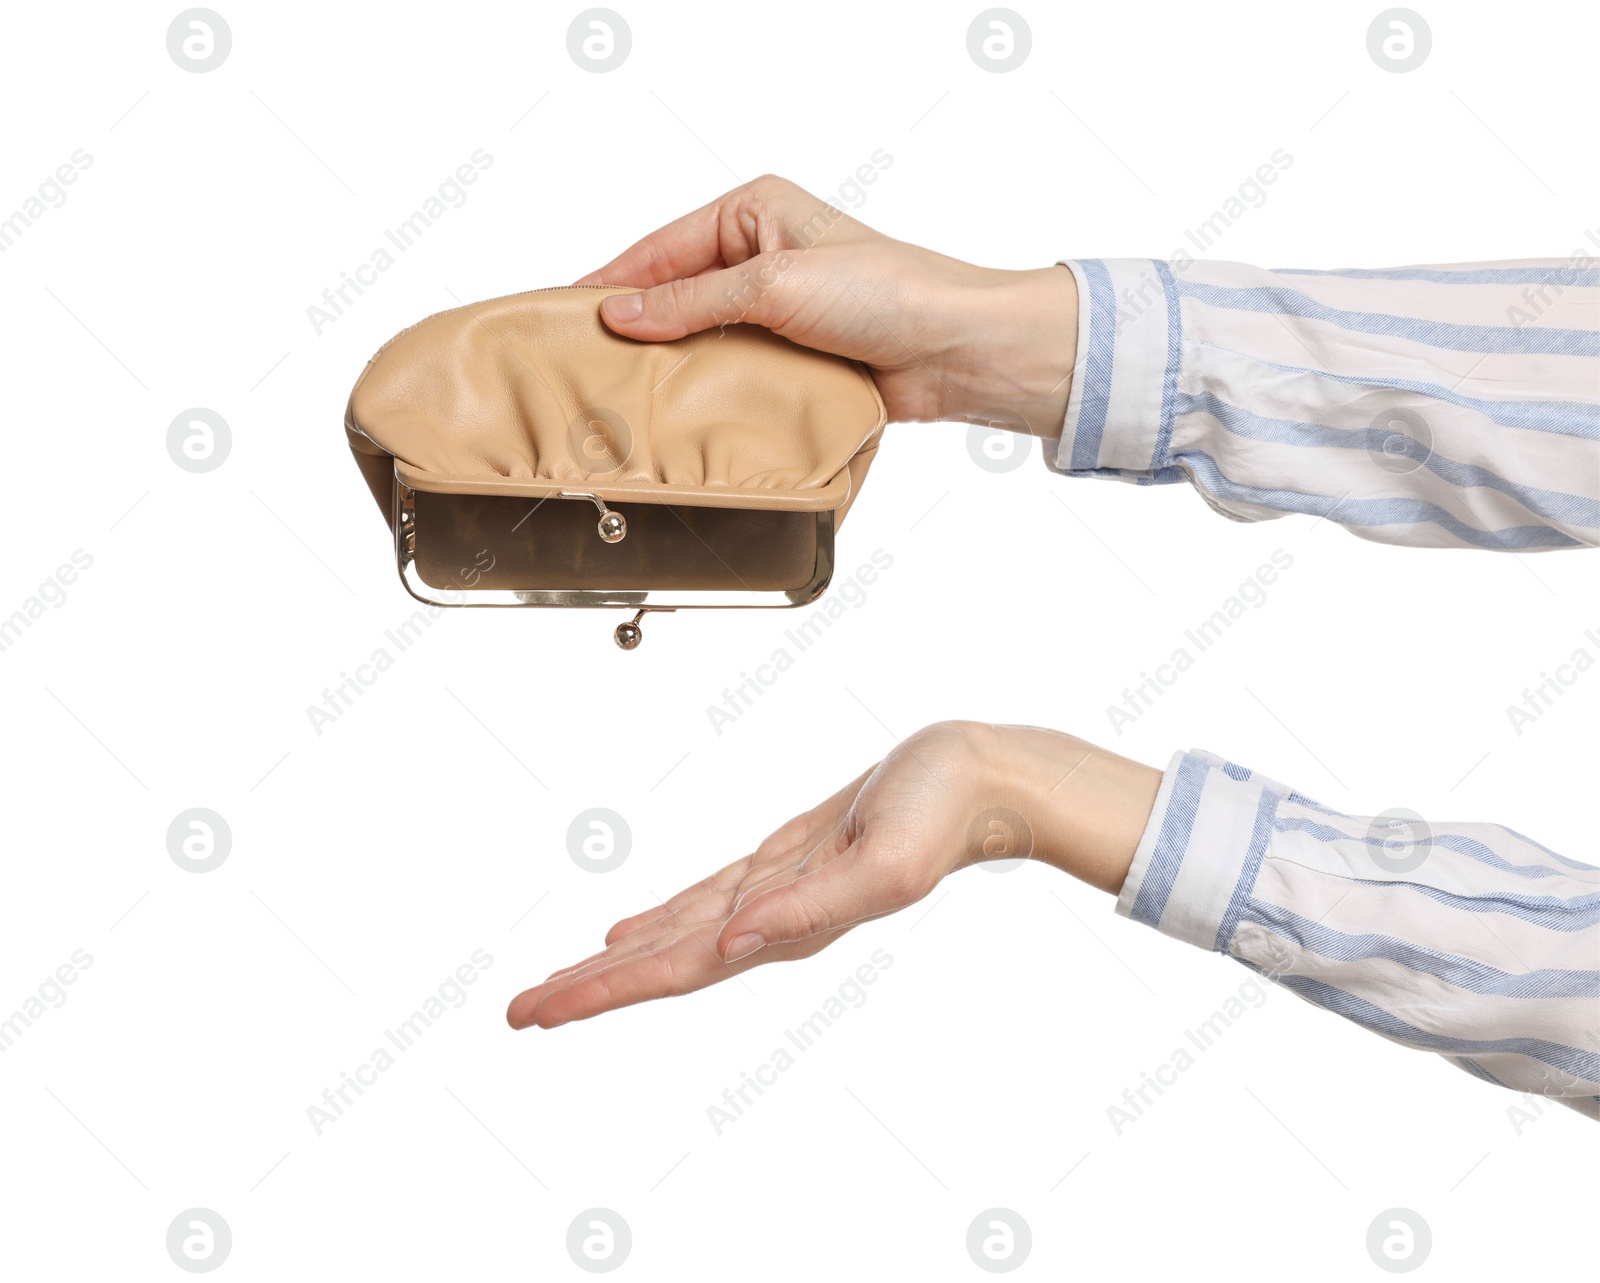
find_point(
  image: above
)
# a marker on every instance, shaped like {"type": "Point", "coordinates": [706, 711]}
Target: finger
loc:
{"type": "Point", "coordinates": [639, 946]}
{"type": "Point", "coordinates": [681, 967]}
{"type": "Point", "coordinates": [781, 849]}
{"type": "Point", "coordinates": [652, 974]}
{"type": "Point", "coordinates": [807, 841]}
{"type": "Point", "coordinates": [778, 849]}
{"type": "Point", "coordinates": [780, 857]}
{"type": "Point", "coordinates": [783, 856]}
{"type": "Point", "coordinates": [704, 913]}
{"type": "Point", "coordinates": [754, 292]}
{"type": "Point", "coordinates": [641, 923]}
{"type": "Point", "coordinates": [842, 892]}
{"type": "Point", "coordinates": [724, 879]}
{"type": "Point", "coordinates": [684, 247]}
{"type": "Point", "coordinates": [824, 847]}
{"type": "Point", "coordinates": [640, 941]}
{"type": "Point", "coordinates": [801, 833]}
{"type": "Point", "coordinates": [679, 963]}
{"type": "Point", "coordinates": [705, 916]}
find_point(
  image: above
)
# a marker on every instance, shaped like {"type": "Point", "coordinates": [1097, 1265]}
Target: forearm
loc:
{"type": "Point", "coordinates": [1467, 940]}
{"type": "Point", "coordinates": [1420, 406]}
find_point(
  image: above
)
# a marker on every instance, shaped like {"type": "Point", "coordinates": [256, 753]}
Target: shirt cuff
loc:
{"type": "Point", "coordinates": [1119, 417]}
{"type": "Point", "coordinates": [1198, 859]}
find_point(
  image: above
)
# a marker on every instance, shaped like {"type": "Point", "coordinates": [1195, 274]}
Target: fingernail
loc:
{"type": "Point", "coordinates": [623, 307]}
{"type": "Point", "coordinates": [743, 946]}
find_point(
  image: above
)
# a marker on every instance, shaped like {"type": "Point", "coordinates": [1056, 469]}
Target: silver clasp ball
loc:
{"type": "Point", "coordinates": [628, 635]}
{"type": "Point", "coordinates": [613, 525]}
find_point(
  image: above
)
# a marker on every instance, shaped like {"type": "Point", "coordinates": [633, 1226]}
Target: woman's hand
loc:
{"type": "Point", "coordinates": [948, 796]}
{"type": "Point", "coordinates": [945, 340]}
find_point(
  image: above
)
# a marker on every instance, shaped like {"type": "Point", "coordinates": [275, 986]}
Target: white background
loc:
{"type": "Point", "coordinates": [370, 861]}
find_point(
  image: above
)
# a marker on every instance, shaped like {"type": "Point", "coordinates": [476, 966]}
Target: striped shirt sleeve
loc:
{"type": "Point", "coordinates": [1468, 940]}
{"type": "Point", "coordinates": [1447, 407]}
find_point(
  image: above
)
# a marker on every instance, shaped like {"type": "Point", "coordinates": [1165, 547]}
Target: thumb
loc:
{"type": "Point", "coordinates": [695, 303]}
{"type": "Point", "coordinates": [846, 890]}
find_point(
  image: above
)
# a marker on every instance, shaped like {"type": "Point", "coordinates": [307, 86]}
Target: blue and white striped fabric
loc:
{"type": "Point", "coordinates": [1468, 940]}
{"type": "Point", "coordinates": [1452, 406]}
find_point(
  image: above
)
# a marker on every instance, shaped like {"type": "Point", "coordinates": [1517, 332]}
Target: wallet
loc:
{"type": "Point", "coordinates": [525, 455]}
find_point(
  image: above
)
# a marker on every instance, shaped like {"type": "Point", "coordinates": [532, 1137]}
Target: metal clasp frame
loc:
{"type": "Point", "coordinates": [612, 528]}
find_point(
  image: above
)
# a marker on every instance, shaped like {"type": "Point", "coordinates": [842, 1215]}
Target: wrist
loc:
{"type": "Point", "coordinates": [1013, 367]}
{"type": "Point", "coordinates": [1083, 809]}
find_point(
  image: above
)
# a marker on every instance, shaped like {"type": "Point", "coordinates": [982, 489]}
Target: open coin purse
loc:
{"type": "Point", "coordinates": [524, 455]}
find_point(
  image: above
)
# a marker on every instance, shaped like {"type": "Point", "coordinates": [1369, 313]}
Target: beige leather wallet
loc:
{"type": "Point", "coordinates": [524, 455]}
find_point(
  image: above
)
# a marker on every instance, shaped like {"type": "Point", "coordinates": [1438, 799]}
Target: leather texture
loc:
{"type": "Point", "coordinates": [530, 395]}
